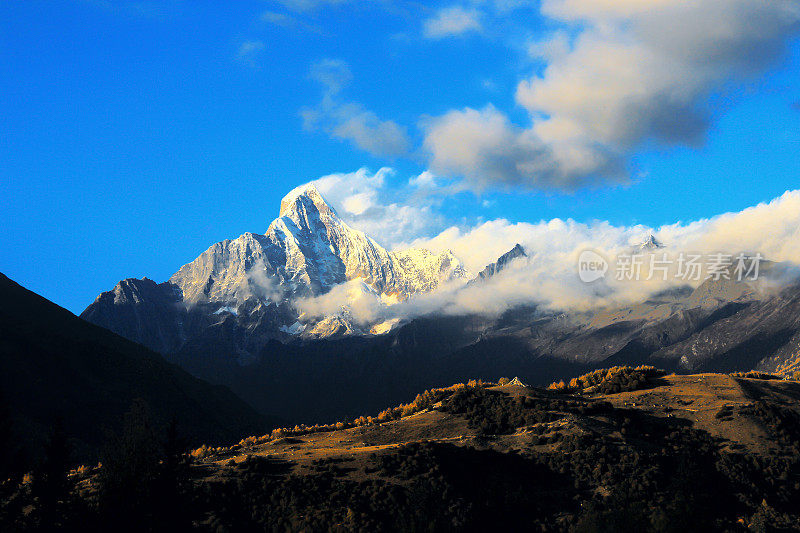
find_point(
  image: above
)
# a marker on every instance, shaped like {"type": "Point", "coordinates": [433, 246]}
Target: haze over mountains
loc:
{"type": "Point", "coordinates": [317, 302]}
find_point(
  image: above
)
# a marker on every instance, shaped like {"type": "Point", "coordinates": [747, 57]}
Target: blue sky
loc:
{"type": "Point", "coordinates": [136, 134]}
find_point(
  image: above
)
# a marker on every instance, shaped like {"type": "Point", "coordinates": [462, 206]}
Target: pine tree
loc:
{"type": "Point", "coordinates": [127, 478]}
{"type": "Point", "coordinates": [171, 484]}
{"type": "Point", "coordinates": [50, 483]}
{"type": "Point", "coordinates": [6, 444]}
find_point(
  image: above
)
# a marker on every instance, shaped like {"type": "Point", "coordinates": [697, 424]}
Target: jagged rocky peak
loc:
{"type": "Point", "coordinates": [650, 244]}
{"type": "Point", "coordinates": [306, 251]}
{"type": "Point", "coordinates": [420, 270]}
{"type": "Point", "coordinates": [140, 310]}
{"type": "Point", "coordinates": [130, 289]}
{"type": "Point", "coordinates": [502, 261]}
{"type": "Point", "coordinates": [133, 290]}
{"type": "Point", "coordinates": [516, 251]}
{"type": "Point", "coordinates": [304, 204]}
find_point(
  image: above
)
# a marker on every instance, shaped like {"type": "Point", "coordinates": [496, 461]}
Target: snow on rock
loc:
{"type": "Point", "coordinates": [648, 245]}
{"type": "Point", "coordinates": [308, 261]}
{"type": "Point", "coordinates": [333, 326]}
{"type": "Point", "coordinates": [294, 329]}
{"type": "Point", "coordinates": [307, 250]}
{"type": "Point", "coordinates": [384, 327]}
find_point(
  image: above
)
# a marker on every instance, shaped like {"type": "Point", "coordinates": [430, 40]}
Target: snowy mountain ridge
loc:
{"type": "Point", "coordinates": [300, 280]}
{"type": "Point", "coordinates": [307, 250]}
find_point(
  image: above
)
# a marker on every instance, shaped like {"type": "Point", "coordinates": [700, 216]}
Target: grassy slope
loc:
{"type": "Point", "coordinates": [693, 451]}
{"type": "Point", "coordinates": [691, 400]}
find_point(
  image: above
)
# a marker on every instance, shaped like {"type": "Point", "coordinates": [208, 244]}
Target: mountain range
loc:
{"type": "Point", "coordinates": [235, 316]}
{"type": "Point", "coordinates": [244, 289]}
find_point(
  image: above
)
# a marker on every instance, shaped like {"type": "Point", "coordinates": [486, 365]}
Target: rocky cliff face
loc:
{"type": "Point", "coordinates": [141, 310]}
{"type": "Point", "coordinates": [306, 251]}
{"type": "Point", "coordinates": [502, 262]}
{"type": "Point", "coordinates": [243, 289]}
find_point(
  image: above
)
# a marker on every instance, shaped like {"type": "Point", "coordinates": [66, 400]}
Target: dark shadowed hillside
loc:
{"type": "Point", "coordinates": [53, 364]}
{"type": "Point", "coordinates": [617, 450]}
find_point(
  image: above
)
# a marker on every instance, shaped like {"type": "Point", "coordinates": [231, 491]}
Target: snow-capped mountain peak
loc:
{"type": "Point", "coordinates": [254, 283]}
{"type": "Point", "coordinates": [650, 244]}
{"type": "Point", "coordinates": [502, 262]}
{"type": "Point", "coordinates": [305, 252]}
{"type": "Point", "coordinates": [305, 204]}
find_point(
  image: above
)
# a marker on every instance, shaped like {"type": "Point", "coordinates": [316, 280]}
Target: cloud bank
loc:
{"type": "Point", "coordinates": [617, 74]}
{"type": "Point", "coordinates": [548, 278]}
{"type": "Point", "coordinates": [612, 77]}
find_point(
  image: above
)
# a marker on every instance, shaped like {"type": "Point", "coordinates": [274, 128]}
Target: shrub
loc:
{"type": "Point", "coordinates": [609, 380]}
{"type": "Point", "coordinates": [754, 374]}
{"type": "Point", "coordinates": [495, 413]}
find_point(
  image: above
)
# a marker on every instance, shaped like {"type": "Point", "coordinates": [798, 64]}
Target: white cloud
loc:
{"type": "Point", "coordinates": [484, 147]}
{"type": "Point", "coordinates": [548, 278]}
{"type": "Point", "coordinates": [351, 121]}
{"type": "Point", "coordinates": [249, 51]}
{"type": "Point", "coordinates": [771, 228]}
{"type": "Point", "coordinates": [452, 21]}
{"type": "Point", "coordinates": [364, 129]}
{"type": "Point", "coordinates": [620, 74]}
{"type": "Point", "coordinates": [358, 203]}
{"type": "Point", "coordinates": [333, 74]}
{"type": "Point", "coordinates": [355, 297]}
{"type": "Point", "coordinates": [263, 286]}
{"type": "Point", "coordinates": [426, 180]}
{"type": "Point", "coordinates": [552, 49]}
{"type": "Point", "coordinates": [367, 202]}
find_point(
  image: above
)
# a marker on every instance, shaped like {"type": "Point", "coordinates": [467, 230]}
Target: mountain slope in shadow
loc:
{"type": "Point", "coordinates": [55, 365]}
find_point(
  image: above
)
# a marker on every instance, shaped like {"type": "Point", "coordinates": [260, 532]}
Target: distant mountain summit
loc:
{"type": "Point", "coordinates": [241, 291]}
{"type": "Point", "coordinates": [307, 250]}
{"type": "Point", "coordinates": [649, 244]}
{"type": "Point", "coordinates": [503, 261]}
